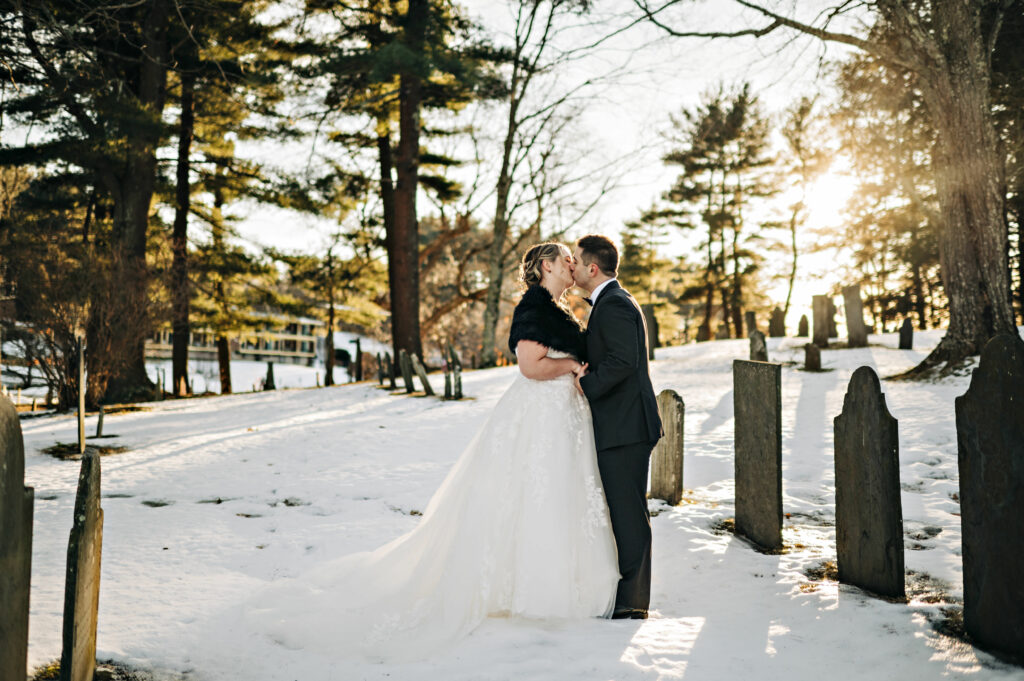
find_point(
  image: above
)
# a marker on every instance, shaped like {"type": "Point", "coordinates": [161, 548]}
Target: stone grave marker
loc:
{"type": "Point", "coordinates": [667, 462]}
{"type": "Point", "coordinates": [812, 357]}
{"type": "Point", "coordinates": [777, 324]}
{"type": "Point", "coordinates": [833, 330]}
{"type": "Point", "coordinates": [703, 333]}
{"type": "Point", "coordinates": [406, 366]}
{"type": "Point", "coordinates": [801, 329]}
{"type": "Point", "coordinates": [821, 323]}
{"type": "Point", "coordinates": [858, 333]}
{"type": "Point", "coordinates": [456, 365]}
{"type": "Point", "coordinates": [389, 371]}
{"type": "Point", "coordinates": [750, 319]}
{"type": "Point", "coordinates": [651, 325]}
{"type": "Point", "coordinates": [907, 335]}
{"type": "Point", "coordinates": [722, 332]}
{"type": "Point", "coordinates": [869, 513]}
{"type": "Point", "coordinates": [16, 509]}
{"type": "Point", "coordinates": [417, 366]}
{"type": "Point", "coordinates": [99, 422]}
{"type": "Point", "coordinates": [990, 443]}
{"type": "Point", "coordinates": [758, 348]}
{"type": "Point", "coordinates": [82, 580]}
{"type": "Point", "coordinates": [268, 382]}
{"type": "Point", "coordinates": [757, 406]}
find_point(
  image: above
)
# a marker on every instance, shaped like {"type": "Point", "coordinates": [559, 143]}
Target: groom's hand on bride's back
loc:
{"type": "Point", "coordinates": [584, 370]}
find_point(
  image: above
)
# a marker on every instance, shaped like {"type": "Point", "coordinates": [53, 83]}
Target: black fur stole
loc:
{"type": "Point", "coordinates": [539, 318]}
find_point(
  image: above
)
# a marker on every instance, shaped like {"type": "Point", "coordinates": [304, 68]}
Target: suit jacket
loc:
{"type": "Point", "coordinates": [619, 386]}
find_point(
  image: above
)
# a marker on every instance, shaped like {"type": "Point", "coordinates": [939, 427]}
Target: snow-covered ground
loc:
{"type": "Point", "coordinates": [218, 497]}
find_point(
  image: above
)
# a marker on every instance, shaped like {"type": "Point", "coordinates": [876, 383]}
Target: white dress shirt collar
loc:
{"type": "Point", "coordinates": [597, 290]}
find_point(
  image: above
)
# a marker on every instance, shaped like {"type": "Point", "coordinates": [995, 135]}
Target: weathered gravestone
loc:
{"type": "Point", "coordinates": [833, 330]}
{"type": "Point", "coordinates": [99, 422]}
{"type": "Point", "coordinates": [757, 407]}
{"type": "Point", "coordinates": [16, 506]}
{"type": "Point", "coordinates": [858, 333]}
{"type": "Point", "coordinates": [750, 319]}
{"type": "Point", "coordinates": [651, 323]}
{"type": "Point", "coordinates": [268, 382]}
{"type": "Point", "coordinates": [990, 443]}
{"type": "Point", "coordinates": [820, 310]}
{"type": "Point", "coordinates": [703, 333]}
{"type": "Point", "coordinates": [82, 580]}
{"type": "Point", "coordinates": [869, 513]}
{"type": "Point", "coordinates": [667, 462]}
{"type": "Point", "coordinates": [801, 329]}
{"type": "Point", "coordinates": [406, 366]}
{"type": "Point", "coordinates": [777, 324]}
{"type": "Point", "coordinates": [417, 366]}
{"type": "Point", "coordinates": [758, 348]}
{"type": "Point", "coordinates": [722, 332]}
{"type": "Point", "coordinates": [812, 357]}
{"type": "Point", "coordinates": [389, 370]}
{"type": "Point", "coordinates": [906, 335]}
{"type": "Point", "coordinates": [456, 366]}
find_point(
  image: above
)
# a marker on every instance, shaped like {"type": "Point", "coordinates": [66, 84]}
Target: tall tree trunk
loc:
{"type": "Point", "coordinates": [968, 173]}
{"type": "Point", "coordinates": [131, 218]}
{"type": "Point", "coordinates": [224, 364]}
{"type": "Point", "coordinates": [496, 254]}
{"type": "Point", "coordinates": [223, 346]}
{"type": "Point", "coordinates": [792, 268]}
{"type": "Point", "coordinates": [329, 340]}
{"type": "Point", "coordinates": [180, 293]}
{"type": "Point", "coordinates": [403, 244]}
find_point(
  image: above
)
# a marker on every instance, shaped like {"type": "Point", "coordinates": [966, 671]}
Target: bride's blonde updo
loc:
{"type": "Point", "coordinates": [530, 272]}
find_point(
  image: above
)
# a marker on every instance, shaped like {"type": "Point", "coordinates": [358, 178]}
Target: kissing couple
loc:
{"type": "Point", "coordinates": [542, 517]}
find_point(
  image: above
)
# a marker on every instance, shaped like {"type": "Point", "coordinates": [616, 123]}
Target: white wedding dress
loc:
{"type": "Point", "coordinates": [519, 528]}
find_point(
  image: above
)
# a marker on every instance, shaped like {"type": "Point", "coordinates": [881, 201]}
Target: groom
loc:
{"type": "Point", "coordinates": [617, 384]}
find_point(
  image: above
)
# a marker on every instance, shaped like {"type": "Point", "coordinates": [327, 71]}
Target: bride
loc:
{"type": "Point", "coordinates": [519, 528]}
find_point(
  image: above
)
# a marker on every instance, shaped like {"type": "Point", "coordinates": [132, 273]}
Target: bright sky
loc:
{"type": "Point", "coordinates": [655, 76]}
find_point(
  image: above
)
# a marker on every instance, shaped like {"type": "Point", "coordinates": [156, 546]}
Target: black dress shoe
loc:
{"type": "Point", "coordinates": [629, 614]}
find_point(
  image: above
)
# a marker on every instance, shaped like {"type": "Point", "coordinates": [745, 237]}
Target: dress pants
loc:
{"type": "Point", "coordinates": [624, 477]}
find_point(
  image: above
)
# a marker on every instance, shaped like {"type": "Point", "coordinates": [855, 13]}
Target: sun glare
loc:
{"type": "Point", "coordinates": [827, 199]}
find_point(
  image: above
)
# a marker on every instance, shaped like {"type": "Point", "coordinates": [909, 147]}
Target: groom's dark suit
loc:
{"type": "Point", "coordinates": [626, 428]}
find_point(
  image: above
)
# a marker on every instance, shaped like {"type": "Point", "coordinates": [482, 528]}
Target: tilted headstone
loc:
{"type": "Point", "coordinates": [417, 366]}
{"type": "Point", "coordinates": [869, 513]}
{"type": "Point", "coordinates": [757, 406]}
{"type": "Point", "coordinates": [858, 333]}
{"type": "Point", "coordinates": [82, 580]}
{"type": "Point", "coordinates": [821, 320]}
{"type": "Point", "coordinates": [667, 461]}
{"type": "Point", "coordinates": [750, 319]}
{"type": "Point", "coordinates": [990, 443]}
{"type": "Point", "coordinates": [758, 348]}
{"type": "Point", "coordinates": [801, 328]}
{"type": "Point", "coordinates": [907, 335]}
{"type": "Point", "coordinates": [16, 507]}
{"type": "Point", "coordinates": [833, 330]}
{"type": "Point", "coordinates": [812, 357]}
{"type": "Point", "coordinates": [268, 383]}
{"type": "Point", "coordinates": [406, 366]}
{"type": "Point", "coordinates": [777, 324]}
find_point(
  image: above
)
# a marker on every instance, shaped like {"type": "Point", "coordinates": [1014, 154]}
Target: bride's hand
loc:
{"type": "Point", "coordinates": [580, 369]}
